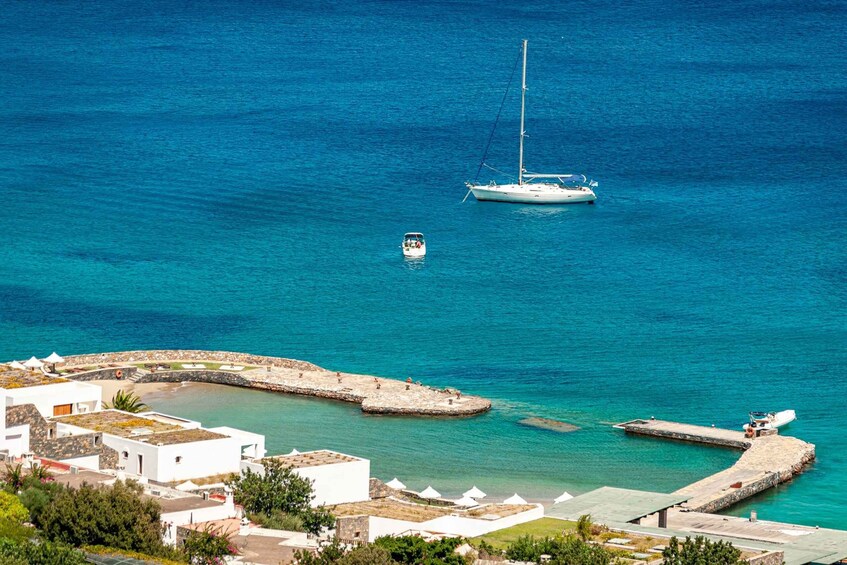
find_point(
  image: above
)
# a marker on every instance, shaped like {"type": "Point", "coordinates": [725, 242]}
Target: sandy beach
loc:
{"type": "Point", "coordinates": [110, 387]}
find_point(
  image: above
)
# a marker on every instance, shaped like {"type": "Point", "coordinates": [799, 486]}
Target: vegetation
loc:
{"type": "Point", "coordinates": [700, 550]}
{"type": "Point", "coordinates": [208, 546]}
{"type": "Point", "coordinates": [583, 527]}
{"type": "Point", "coordinates": [277, 494]}
{"type": "Point", "coordinates": [563, 550]}
{"type": "Point", "coordinates": [543, 527]}
{"type": "Point", "coordinates": [39, 553]}
{"type": "Point", "coordinates": [126, 401]}
{"type": "Point", "coordinates": [11, 509]}
{"type": "Point", "coordinates": [113, 516]}
{"type": "Point", "coordinates": [411, 550]}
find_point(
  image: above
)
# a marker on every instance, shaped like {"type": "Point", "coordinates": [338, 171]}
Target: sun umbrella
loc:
{"type": "Point", "coordinates": [514, 499]}
{"type": "Point", "coordinates": [474, 493]}
{"type": "Point", "coordinates": [294, 452]}
{"type": "Point", "coordinates": [17, 365]}
{"type": "Point", "coordinates": [395, 484]}
{"type": "Point", "coordinates": [187, 485]}
{"type": "Point", "coordinates": [565, 496]}
{"type": "Point", "coordinates": [33, 363]}
{"type": "Point", "coordinates": [430, 492]}
{"type": "Point", "coordinates": [55, 358]}
{"type": "Point", "coordinates": [466, 501]}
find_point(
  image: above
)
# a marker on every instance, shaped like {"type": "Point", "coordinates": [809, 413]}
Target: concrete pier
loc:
{"type": "Point", "coordinates": [376, 395]}
{"type": "Point", "coordinates": [766, 462]}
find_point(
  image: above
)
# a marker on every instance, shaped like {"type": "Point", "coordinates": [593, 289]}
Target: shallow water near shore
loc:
{"type": "Point", "coordinates": [239, 177]}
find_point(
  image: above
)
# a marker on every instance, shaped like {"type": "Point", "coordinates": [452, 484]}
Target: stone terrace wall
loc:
{"type": "Point", "coordinates": [769, 558]}
{"type": "Point", "coordinates": [353, 529]}
{"type": "Point", "coordinates": [163, 355]}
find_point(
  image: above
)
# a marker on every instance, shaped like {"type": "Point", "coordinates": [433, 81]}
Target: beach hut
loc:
{"type": "Point", "coordinates": [565, 496]}
{"type": "Point", "coordinates": [430, 492]}
{"type": "Point", "coordinates": [395, 484]}
{"type": "Point", "coordinates": [466, 501]}
{"type": "Point", "coordinates": [474, 493]}
{"type": "Point", "coordinates": [514, 499]}
{"type": "Point", "coordinates": [17, 365]}
{"type": "Point", "coordinates": [53, 359]}
{"type": "Point", "coordinates": [33, 363]}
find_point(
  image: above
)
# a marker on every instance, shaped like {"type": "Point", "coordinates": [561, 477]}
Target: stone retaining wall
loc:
{"type": "Point", "coordinates": [353, 529]}
{"type": "Point", "coordinates": [769, 558]}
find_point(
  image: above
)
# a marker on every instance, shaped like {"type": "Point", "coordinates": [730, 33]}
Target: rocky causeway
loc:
{"type": "Point", "coordinates": [376, 395]}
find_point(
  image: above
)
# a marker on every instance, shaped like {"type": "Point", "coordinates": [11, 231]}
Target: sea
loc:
{"type": "Point", "coordinates": [238, 175]}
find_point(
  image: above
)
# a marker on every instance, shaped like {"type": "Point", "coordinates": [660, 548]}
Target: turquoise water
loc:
{"type": "Point", "coordinates": [239, 176]}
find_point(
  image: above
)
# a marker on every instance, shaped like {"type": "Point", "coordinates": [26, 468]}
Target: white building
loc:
{"type": "Point", "coordinates": [337, 478]}
{"type": "Point", "coordinates": [162, 448]}
{"type": "Point", "coordinates": [14, 440]}
{"type": "Point", "coordinates": [52, 396]}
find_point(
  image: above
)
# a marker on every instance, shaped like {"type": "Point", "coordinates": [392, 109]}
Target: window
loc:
{"type": "Point", "coordinates": [125, 454]}
{"type": "Point", "coordinates": [98, 439]}
{"type": "Point", "coordinates": [178, 459]}
{"type": "Point", "coordinates": [51, 433]}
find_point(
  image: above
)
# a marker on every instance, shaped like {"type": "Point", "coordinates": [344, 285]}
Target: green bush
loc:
{"type": "Point", "coordinates": [414, 550]}
{"type": "Point", "coordinates": [563, 550]}
{"type": "Point", "coordinates": [39, 553]}
{"type": "Point", "coordinates": [115, 516]}
{"type": "Point", "coordinates": [11, 509]}
{"type": "Point", "coordinates": [279, 521]}
{"type": "Point", "coordinates": [700, 550]}
{"type": "Point", "coordinates": [207, 546]}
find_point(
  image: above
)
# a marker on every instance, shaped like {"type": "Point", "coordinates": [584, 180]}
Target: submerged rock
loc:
{"type": "Point", "coordinates": [548, 424]}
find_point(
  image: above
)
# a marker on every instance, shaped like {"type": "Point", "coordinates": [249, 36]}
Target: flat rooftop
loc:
{"type": "Point", "coordinates": [139, 428]}
{"type": "Point", "coordinates": [314, 459]}
{"type": "Point", "coordinates": [414, 512]}
{"type": "Point", "coordinates": [609, 504]}
{"type": "Point", "coordinates": [15, 378]}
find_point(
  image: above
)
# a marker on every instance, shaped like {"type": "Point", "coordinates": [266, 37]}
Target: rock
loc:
{"type": "Point", "coordinates": [548, 424]}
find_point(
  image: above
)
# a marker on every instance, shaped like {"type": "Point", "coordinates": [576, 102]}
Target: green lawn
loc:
{"type": "Point", "coordinates": [539, 528]}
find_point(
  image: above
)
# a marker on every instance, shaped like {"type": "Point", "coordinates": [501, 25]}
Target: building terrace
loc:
{"type": "Point", "coordinates": [13, 378]}
{"type": "Point", "coordinates": [314, 459]}
{"type": "Point", "coordinates": [121, 424]}
{"type": "Point", "coordinates": [414, 512]}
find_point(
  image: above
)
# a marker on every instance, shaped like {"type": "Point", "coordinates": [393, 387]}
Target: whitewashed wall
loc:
{"type": "Point", "coordinates": [45, 397]}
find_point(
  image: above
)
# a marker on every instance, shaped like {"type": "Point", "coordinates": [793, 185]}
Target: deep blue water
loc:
{"type": "Point", "coordinates": [238, 175]}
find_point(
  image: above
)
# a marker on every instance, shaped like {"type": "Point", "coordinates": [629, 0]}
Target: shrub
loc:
{"type": "Point", "coordinates": [208, 546]}
{"type": "Point", "coordinates": [39, 553]}
{"type": "Point", "coordinates": [700, 550]}
{"type": "Point", "coordinates": [11, 509]}
{"type": "Point", "coordinates": [563, 550]}
{"type": "Point", "coordinates": [113, 516]}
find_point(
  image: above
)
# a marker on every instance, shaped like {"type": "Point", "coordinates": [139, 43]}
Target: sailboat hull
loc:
{"type": "Point", "coordinates": [528, 194]}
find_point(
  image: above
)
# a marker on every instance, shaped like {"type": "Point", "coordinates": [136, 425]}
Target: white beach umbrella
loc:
{"type": "Point", "coordinates": [33, 363]}
{"type": "Point", "coordinates": [55, 358]}
{"type": "Point", "coordinates": [565, 496]}
{"type": "Point", "coordinates": [187, 485]}
{"type": "Point", "coordinates": [395, 484]}
{"type": "Point", "coordinates": [294, 452]}
{"type": "Point", "coordinates": [17, 365]}
{"type": "Point", "coordinates": [430, 492]}
{"type": "Point", "coordinates": [466, 501]}
{"type": "Point", "coordinates": [514, 499]}
{"type": "Point", "coordinates": [474, 493]}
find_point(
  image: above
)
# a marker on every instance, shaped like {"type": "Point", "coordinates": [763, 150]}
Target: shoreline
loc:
{"type": "Point", "coordinates": [375, 395]}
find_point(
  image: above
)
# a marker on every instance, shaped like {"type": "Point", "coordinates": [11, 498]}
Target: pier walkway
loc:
{"type": "Point", "coordinates": [766, 462]}
{"type": "Point", "coordinates": [376, 395]}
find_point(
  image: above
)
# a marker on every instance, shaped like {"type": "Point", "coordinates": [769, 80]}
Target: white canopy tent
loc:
{"type": "Point", "coordinates": [514, 499]}
{"type": "Point", "coordinates": [33, 363]}
{"type": "Point", "coordinates": [565, 496]}
{"type": "Point", "coordinates": [466, 501]}
{"type": "Point", "coordinates": [395, 484]}
{"type": "Point", "coordinates": [294, 452]}
{"type": "Point", "coordinates": [17, 365]}
{"type": "Point", "coordinates": [430, 492]}
{"type": "Point", "coordinates": [474, 493]}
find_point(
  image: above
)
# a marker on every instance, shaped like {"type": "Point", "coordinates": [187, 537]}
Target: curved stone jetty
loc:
{"type": "Point", "coordinates": [376, 395]}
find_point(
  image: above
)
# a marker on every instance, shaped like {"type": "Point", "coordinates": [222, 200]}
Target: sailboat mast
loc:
{"type": "Point", "coordinates": [523, 103]}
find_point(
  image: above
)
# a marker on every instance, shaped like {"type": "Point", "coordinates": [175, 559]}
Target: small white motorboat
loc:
{"type": "Point", "coordinates": [414, 245]}
{"type": "Point", "coordinates": [770, 420]}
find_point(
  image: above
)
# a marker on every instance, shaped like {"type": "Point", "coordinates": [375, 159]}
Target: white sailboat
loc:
{"type": "Point", "coordinates": [535, 188]}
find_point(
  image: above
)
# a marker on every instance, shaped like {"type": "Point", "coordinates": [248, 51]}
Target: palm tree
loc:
{"type": "Point", "coordinates": [14, 476]}
{"type": "Point", "coordinates": [127, 402]}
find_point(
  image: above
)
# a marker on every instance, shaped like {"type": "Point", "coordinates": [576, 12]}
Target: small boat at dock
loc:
{"type": "Point", "coordinates": [770, 420]}
{"type": "Point", "coordinates": [414, 246]}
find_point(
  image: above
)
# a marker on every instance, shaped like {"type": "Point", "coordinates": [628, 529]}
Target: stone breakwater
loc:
{"type": "Point", "coordinates": [376, 395]}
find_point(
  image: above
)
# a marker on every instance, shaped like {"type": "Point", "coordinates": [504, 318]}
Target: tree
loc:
{"type": "Point", "coordinates": [700, 550]}
{"type": "Point", "coordinates": [39, 553]}
{"type": "Point", "coordinates": [367, 555]}
{"type": "Point", "coordinates": [583, 527]}
{"type": "Point", "coordinates": [563, 550]}
{"type": "Point", "coordinates": [278, 492]}
{"type": "Point", "coordinates": [115, 516]}
{"type": "Point", "coordinates": [126, 401]}
{"type": "Point", "coordinates": [414, 550]}
{"type": "Point", "coordinates": [208, 546]}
